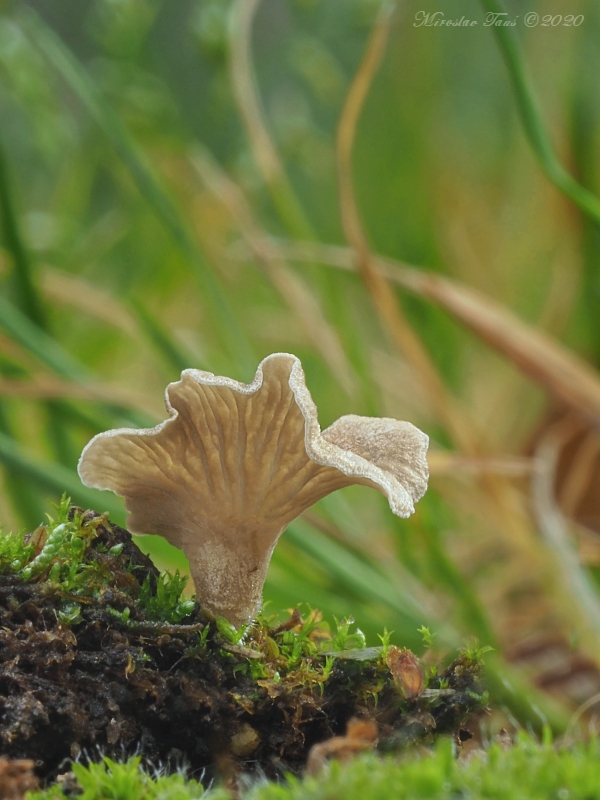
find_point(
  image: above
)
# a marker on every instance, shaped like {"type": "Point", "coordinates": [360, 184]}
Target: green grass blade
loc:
{"type": "Point", "coordinates": [103, 416]}
{"type": "Point", "coordinates": [56, 358]}
{"type": "Point", "coordinates": [450, 578]}
{"type": "Point", "coordinates": [25, 501]}
{"type": "Point", "coordinates": [58, 434]}
{"type": "Point", "coordinates": [58, 479]}
{"type": "Point", "coordinates": [510, 689]}
{"type": "Point", "coordinates": [285, 200]}
{"type": "Point", "coordinates": [24, 498]}
{"type": "Point", "coordinates": [362, 578]}
{"type": "Point", "coordinates": [171, 352]}
{"type": "Point", "coordinates": [40, 344]}
{"type": "Point", "coordinates": [531, 117]}
{"type": "Point", "coordinates": [25, 291]}
{"type": "Point", "coordinates": [223, 317]}
{"type": "Point", "coordinates": [28, 300]}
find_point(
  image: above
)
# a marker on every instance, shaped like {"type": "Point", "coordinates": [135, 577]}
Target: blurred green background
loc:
{"type": "Point", "coordinates": [169, 181]}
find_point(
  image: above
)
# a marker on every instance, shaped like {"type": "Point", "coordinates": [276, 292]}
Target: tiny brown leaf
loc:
{"type": "Point", "coordinates": [406, 671]}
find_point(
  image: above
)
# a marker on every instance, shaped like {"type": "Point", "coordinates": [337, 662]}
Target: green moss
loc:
{"type": "Point", "coordinates": [110, 780]}
{"type": "Point", "coordinates": [57, 555]}
{"type": "Point", "coordinates": [527, 771]}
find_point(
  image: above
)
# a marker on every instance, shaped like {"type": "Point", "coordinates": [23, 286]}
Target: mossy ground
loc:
{"type": "Point", "coordinates": [102, 655]}
{"type": "Point", "coordinates": [528, 770]}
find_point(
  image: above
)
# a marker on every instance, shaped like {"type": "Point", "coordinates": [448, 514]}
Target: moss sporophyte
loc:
{"type": "Point", "coordinates": [235, 463]}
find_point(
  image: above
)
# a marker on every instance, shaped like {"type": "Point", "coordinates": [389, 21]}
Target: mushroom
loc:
{"type": "Point", "coordinates": [235, 463]}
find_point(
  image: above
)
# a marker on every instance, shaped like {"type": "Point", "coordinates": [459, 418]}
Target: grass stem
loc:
{"type": "Point", "coordinates": [535, 128]}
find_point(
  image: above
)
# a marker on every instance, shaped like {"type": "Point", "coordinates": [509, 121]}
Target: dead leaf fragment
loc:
{"type": "Point", "coordinates": [406, 671]}
{"type": "Point", "coordinates": [16, 778]}
{"type": "Point", "coordinates": [361, 735]}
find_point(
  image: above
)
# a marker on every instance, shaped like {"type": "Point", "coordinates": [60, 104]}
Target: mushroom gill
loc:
{"type": "Point", "coordinates": [235, 463]}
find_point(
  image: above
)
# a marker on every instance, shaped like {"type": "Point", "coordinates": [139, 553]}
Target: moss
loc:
{"type": "Point", "coordinates": [528, 771]}
{"type": "Point", "coordinates": [101, 654]}
{"type": "Point", "coordinates": [125, 781]}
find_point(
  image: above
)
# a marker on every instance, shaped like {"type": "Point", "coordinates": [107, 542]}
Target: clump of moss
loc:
{"type": "Point", "coordinates": [101, 654]}
{"type": "Point", "coordinates": [528, 770]}
{"type": "Point", "coordinates": [125, 781]}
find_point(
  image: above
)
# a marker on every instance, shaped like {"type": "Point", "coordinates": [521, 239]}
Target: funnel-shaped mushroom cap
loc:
{"type": "Point", "coordinates": [235, 463]}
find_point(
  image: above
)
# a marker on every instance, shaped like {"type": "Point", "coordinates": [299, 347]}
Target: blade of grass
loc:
{"type": "Point", "coordinates": [584, 134]}
{"type": "Point", "coordinates": [171, 352]}
{"type": "Point", "coordinates": [28, 300]}
{"type": "Point", "coordinates": [58, 433]}
{"type": "Point", "coordinates": [532, 120]}
{"type": "Point", "coordinates": [88, 299]}
{"type": "Point", "coordinates": [552, 525]}
{"type": "Point", "coordinates": [47, 350]}
{"type": "Point", "coordinates": [63, 289]}
{"type": "Point", "coordinates": [248, 100]}
{"type": "Point", "coordinates": [446, 463]}
{"type": "Point", "coordinates": [57, 479]}
{"type": "Point", "coordinates": [358, 550]}
{"type": "Point", "coordinates": [24, 288]}
{"type": "Point", "coordinates": [470, 609]}
{"type": "Point", "coordinates": [24, 498]}
{"type": "Point", "coordinates": [218, 306]}
{"type": "Point", "coordinates": [295, 293]}
{"type": "Point", "coordinates": [43, 346]}
{"type": "Point", "coordinates": [358, 575]}
{"type": "Point", "coordinates": [384, 299]}
{"type": "Point", "coordinates": [44, 387]}
{"type": "Point", "coordinates": [285, 200]}
{"type": "Point", "coordinates": [541, 357]}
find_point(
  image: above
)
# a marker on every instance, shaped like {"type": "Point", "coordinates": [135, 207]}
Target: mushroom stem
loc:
{"type": "Point", "coordinates": [229, 572]}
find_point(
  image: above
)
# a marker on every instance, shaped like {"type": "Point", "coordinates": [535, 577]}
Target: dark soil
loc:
{"type": "Point", "coordinates": [112, 686]}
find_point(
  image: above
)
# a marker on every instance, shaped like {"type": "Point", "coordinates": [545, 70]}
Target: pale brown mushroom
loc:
{"type": "Point", "coordinates": [235, 463]}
